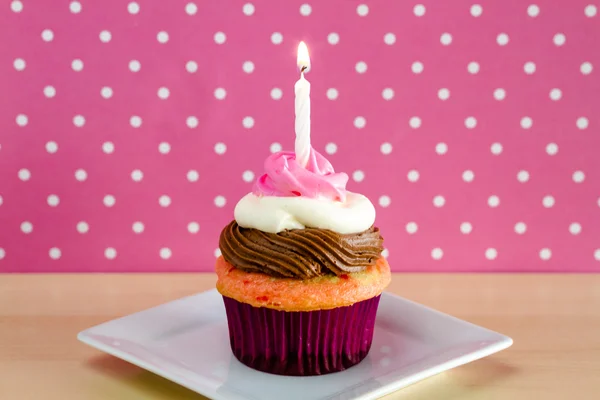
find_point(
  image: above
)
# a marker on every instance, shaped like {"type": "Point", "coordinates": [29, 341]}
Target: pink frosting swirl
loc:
{"type": "Point", "coordinates": [285, 177]}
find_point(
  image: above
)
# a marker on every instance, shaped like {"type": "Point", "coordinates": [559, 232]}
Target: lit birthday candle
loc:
{"type": "Point", "coordinates": [302, 105]}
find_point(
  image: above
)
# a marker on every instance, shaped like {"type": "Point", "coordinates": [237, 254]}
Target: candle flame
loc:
{"type": "Point", "coordinates": [303, 57]}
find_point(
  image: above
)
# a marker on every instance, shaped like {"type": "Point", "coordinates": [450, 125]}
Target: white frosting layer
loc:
{"type": "Point", "coordinates": [274, 214]}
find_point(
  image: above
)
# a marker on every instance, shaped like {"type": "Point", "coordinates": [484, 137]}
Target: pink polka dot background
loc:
{"type": "Point", "coordinates": [129, 130]}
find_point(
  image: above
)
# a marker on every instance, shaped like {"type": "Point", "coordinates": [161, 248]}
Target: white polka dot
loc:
{"type": "Point", "coordinates": [360, 122]}
{"type": "Point", "coordinates": [108, 147]}
{"type": "Point", "coordinates": [220, 148]}
{"type": "Point", "coordinates": [305, 9]}
{"type": "Point", "coordinates": [82, 227]}
{"type": "Point", "coordinates": [248, 122]}
{"type": "Point", "coordinates": [75, 7]}
{"type": "Point", "coordinates": [439, 201]}
{"type": "Point", "coordinates": [16, 6]}
{"type": "Point", "coordinates": [193, 175]}
{"type": "Point", "coordinates": [81, 175]}
{"type": "Point", "coordinates": [499, 94]}
{"type": "Point", "coordinates": [555, 94]}
{"type": "Point", "coordinates": [470, 122]}
{"type": "Point", "coordinates": [191, 8]}
{"type": "Point", "coordinates": [217, 253]}
{"type": "Point", "coordinates": [49, 91]}
{"type": "Point", "coordinates": [529, 67]}
{"type": "Point", "coordinates": [220, 201]}
{"type": "Point", "coordinates": [55, 252]}
{"type": "Point", "coordinates": [53, 200]}
{"type": "Point", "coordinates": [134, 65]}
{"type": "Point", "coordinates": [110, 253]}
{"type": "Point", "coordinates": [590, 10]}
{"type": "Point", "coordinates": [133, 7]}
{"type": "Point", "coordinates": [522, 176]}
{"type": "Point", "coordinates": [597, 254]}
{"type": "Point", "coordinates": [385, 253]}
{"type": "Point", "coordinates": [137, 227]}
{"type": "Point", "coordinates": [275, 147]}
{"type": "Point", "coordinates": [2, 253]}
{"type": "Point", "coordinates": [582, 123]}
{"type": "Point", "coordinates": [491, 253]}
{"type": "Point", "coordinates": [276, 38]}
{"type": "Point", "coordinates": [412, 227]}
{"type": "Point", "coordinates": [105, 36]}
{"type": "Point", "coordinates": [545, 254]}
{"type": "Point", "coordinates": [362, 10]}
{"type": "Point", "coordinates": [559, 39]}
{"type": "Point", "coordinates": [248, 9]}
{"type": "Point", "coordinates": [19, 64]}
{"type": "Point", "coordinates": [586, 68]}
{"type": "Point", "coordinates": [137, 175]}
{"type": "Point", "coordinates": [193, 227]}
{"type": "Point", "coordinates": [248, 176]}
{"type": "Point", "coordinates": [476, 10]}
{"type": "Point", "coordinates": [333, 38]}
{"type": "Point", "coordinates": [22, 119]}
{"type": "Point", "coordinates": [331, 148]}
{"type": "Point", "coordinates": [533, 10]}
{"type": "Point", "coordinates": [47, 35]}
{"type": "Point", "coordinates": [77, 65]}
{"type": "Point", "coordinates": [520, 228]}
{"type": "Point", "coordinates": [248, 67]}
{"type": "Point", "coordinates": [417, 67]}
{"type": "Point", "coordinates": [51, 147]}
{"type": "Point", "coordinates": [389, 38]}
{"type": "Point", "coordinates": [220, 38]}
{"type": "Point", "coordinates": [552, 149]}
{"type": "Point", "coordinates": [191, 66]}
{"type": "Point", "coordinates": [415, 122]}
{"type": "Point", "coordinates": [361, 67]}
{"type": "Point", "coordinates": [441, 148]}
{"type": "Point", "coordinates": [502, 39]}
{"type": "Point", "coordinates": [496, 148]}
{"type": "Point", "coordinates": [548, 201]}
{"type": "Point", "coordinates": [387, 93]}
{"type": "Point", "coordinates": [437, 253]}
{"type": "Point", "coordinates": [385, 148]}
{"type": "Point", "coordinates": [578, 176]}
{"type": "Point", "coordinates": [106, 92]}
{"type": "Point", "coordinates": [473, 67]}
{"type": "Point", "coordinates": [26, 227]}
{"type": "Point", "coordinates": [358, 176]}
{"type": "Point", "coordinates": [162, 37]}
{"type": "Point", "coordinates": [446, 39]}
{"type": "Point", "coordinates": [575, 228]}
{"type": "Point", "coordinates": [493, 201]}
{"type": "Point", "coordinates": [163, 93]}
{"type": "Point", "coordinates": [135, 121]}
{"type": "Point", "coordinates": [276, 94]}
{"type": "Point", "coordinates": [164, 201]}
{"type": "Point", "coordinates": [79, 121]}
{"type": "Point", "coordinates": [419, 10]}
{"type": "Point", "coordinates": [24, 174]}
{"type": "Point", "coordinates": [466, 228]}
{"type": "Point", "coordinates": [385, 201]}
{"type": "Point", "coordinates": [332, 94]}
{"type": "Point", "coordinates": [164, 148]}
{"type": "Point", "coordinates": [526, 122]}
{"type": "Point", "coordinates": [165, 253]}
{"type": "Point", "coordinates": [468, 176]}
{"type": "Point", "coordinates": [443, 94]}
{"type": "Point", "coordinates": [109, 200]}
{"type": "Point", "coordinates": [413, 175]}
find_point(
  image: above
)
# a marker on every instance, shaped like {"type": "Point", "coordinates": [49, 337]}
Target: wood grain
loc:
{"type": "Point", "coordinates": [553, 319]}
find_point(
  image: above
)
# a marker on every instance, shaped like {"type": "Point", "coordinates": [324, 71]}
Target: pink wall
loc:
{"type": "Point", "coordinates": [525, 122]}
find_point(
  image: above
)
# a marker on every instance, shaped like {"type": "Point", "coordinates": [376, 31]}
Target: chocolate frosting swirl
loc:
{"type": "Point", "coordinates": [299, 253]}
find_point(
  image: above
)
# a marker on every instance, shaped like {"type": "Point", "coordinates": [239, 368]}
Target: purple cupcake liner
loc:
{"type": "Point", "coordinates": [301, 343]}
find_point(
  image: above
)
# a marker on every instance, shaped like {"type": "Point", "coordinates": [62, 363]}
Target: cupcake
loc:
{"type": "Point", "coordinates": [301, 270]}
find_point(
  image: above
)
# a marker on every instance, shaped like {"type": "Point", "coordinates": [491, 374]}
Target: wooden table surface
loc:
{"type": "Point", "coordinates": [553, 319]}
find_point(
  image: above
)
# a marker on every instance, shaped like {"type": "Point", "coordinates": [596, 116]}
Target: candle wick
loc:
{"type": "Point", "coordinates": [303, 68]}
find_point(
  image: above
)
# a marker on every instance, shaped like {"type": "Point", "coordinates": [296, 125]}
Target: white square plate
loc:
{"type": "Point", "coordinates": [187, 342]}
